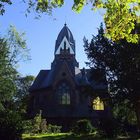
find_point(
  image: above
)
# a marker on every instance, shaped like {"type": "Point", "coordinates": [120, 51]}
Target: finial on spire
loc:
{"type": "Point", "coordinates": [65, 21]}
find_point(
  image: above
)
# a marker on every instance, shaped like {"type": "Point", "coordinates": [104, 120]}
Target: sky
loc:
{"type": "Point", "coordinates": [42, 33]}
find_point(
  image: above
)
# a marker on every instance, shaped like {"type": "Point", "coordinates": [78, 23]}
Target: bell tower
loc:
{"type": "Point", "coordinates": [65, 49]}
{"type": "Point", "coordinates": [65, 42]}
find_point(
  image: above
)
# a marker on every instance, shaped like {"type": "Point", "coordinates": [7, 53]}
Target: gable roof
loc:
{"type": "Point", "coordinates": [82, 77]}
{"type": "Point", "coordinates": [68, 46]}
{"type": "Point", "coordinates": [46, 78]}
{"type": "Point", "coordinates": [37, 84]}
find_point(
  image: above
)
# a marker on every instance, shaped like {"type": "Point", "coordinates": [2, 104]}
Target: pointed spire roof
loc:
{"type": "Point", "coordinates": [65, 32]}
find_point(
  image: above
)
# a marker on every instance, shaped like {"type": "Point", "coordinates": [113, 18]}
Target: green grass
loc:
{"type": "Point", "coordinates": [68, 136]}
{"type": "Point", "coordinates": [59, 136]}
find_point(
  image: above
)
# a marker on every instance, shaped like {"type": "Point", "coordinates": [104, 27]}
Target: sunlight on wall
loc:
{"type": "Point", "coordinates": [98, 104]}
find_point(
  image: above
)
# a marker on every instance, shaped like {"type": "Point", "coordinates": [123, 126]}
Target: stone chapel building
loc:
{"type": "Point", "coordinates": [63, 92]}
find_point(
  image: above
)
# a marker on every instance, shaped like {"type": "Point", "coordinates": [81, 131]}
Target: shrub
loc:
{"type": "Point", "coordinates": [27, 126]}
{"type": "Point", "coordinates": [43, 126]}
{"type": "Point", "coordinates": [83, 127]}
{"type": "Point", "coordinates": [53, 128]}
{"type": "Point", "coordinates": [36, 125]}
{"type": "Point", "coordinates": [10, 126]}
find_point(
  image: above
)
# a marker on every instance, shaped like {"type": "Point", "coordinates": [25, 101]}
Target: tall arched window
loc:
{"type": "Point", "coordinates": [63, 94]}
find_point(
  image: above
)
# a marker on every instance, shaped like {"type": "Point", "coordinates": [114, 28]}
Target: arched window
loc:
{"type": "Point", "coordinates": [64, 94]}
{"type": "Point", "coordinates": [98, 104]}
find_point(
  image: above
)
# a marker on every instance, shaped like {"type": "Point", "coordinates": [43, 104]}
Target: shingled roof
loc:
{"type": "Point", "coordinates": [37, 84]}
{"type": "Point", "coordinates": [65, 32]}
{"type": "Point", "coordinates": [82, 78]}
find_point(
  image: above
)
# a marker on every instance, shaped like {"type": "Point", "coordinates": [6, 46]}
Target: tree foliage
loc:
{"type": "Point", "coordinates": [120, 15]}
{"type": "Point", "coordinates": [120, 18]}
{"type": "Point", "coordinates": [2, 5]}
{"type": "Point", "coordinates": [125, 114]}
{"type": "Point", "coordinates": [7, 73]}
{"type": "Point", "coordinates": [10, 125]}
{"type": "Point", "coordinates": [21, 97]}
{"type": "Point", "coordinates": [12, 50]}
{"type": "Point", "coordinates": [121, 61]}
{"type": "Point", "coordinates": [37, 123]}
{"type": "Point", "coordinates": [83, 127]}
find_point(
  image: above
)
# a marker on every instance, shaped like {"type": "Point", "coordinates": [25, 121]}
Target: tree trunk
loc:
{"type": "Point", "coordinates": [137, 110]}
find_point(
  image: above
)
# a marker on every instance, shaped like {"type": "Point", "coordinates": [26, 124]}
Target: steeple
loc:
{"type": "Point", "coordinates": [65, 40]}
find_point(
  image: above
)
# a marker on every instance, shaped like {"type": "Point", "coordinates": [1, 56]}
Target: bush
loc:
{"type": "Point", "coordinates": [38, 125]}
{"type": "Point", "coordinates": [27, 126]}
{"type": "Point", "coordinates": [53, 128]}
{"type": "Point", "coordinates": [83, 127]}
{"type": "Point", "coordinates": [43, 126]}
{"type": "Point", "coordinates": [35, 125]}
{"type": "Point", "coordinates": [10, 126]}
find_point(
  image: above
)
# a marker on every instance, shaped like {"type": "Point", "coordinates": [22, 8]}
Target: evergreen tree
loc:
{"type": "Point", "coordinates": [121, 60]}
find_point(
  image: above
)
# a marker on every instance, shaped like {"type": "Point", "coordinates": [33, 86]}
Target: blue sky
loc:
{"type": "Point", "coordinates": [41, 34]}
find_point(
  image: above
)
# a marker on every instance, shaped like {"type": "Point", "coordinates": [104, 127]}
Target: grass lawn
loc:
{"type": "Point", "coordinates": [68, 136]}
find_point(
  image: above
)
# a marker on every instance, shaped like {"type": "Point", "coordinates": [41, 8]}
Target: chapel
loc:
{"type": "Point", "coordinates": [66, 93]}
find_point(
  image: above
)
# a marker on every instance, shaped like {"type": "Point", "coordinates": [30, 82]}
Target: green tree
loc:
{"type": "Point", "coordinates": [119, 16]}
{"type": "Point", "coordinates": [21, 97]}
{"type": "Point", "coordinates": [121, 61]}
{"type": "Point", "coordinates": [10, 125]}
{"type": "Point", "coordinates": [7, 73]}
{"type": "Point", "coordinates": [12, 48]}
{"type": "Point", "coordinates": [125, 116]}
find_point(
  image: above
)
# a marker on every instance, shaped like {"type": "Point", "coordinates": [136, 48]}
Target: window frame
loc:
{"type": "Point", "coordinates": [63, 94]}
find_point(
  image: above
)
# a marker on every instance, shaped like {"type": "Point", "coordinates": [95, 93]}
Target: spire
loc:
{"type": "Point", "coordinates": [65, 35]}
